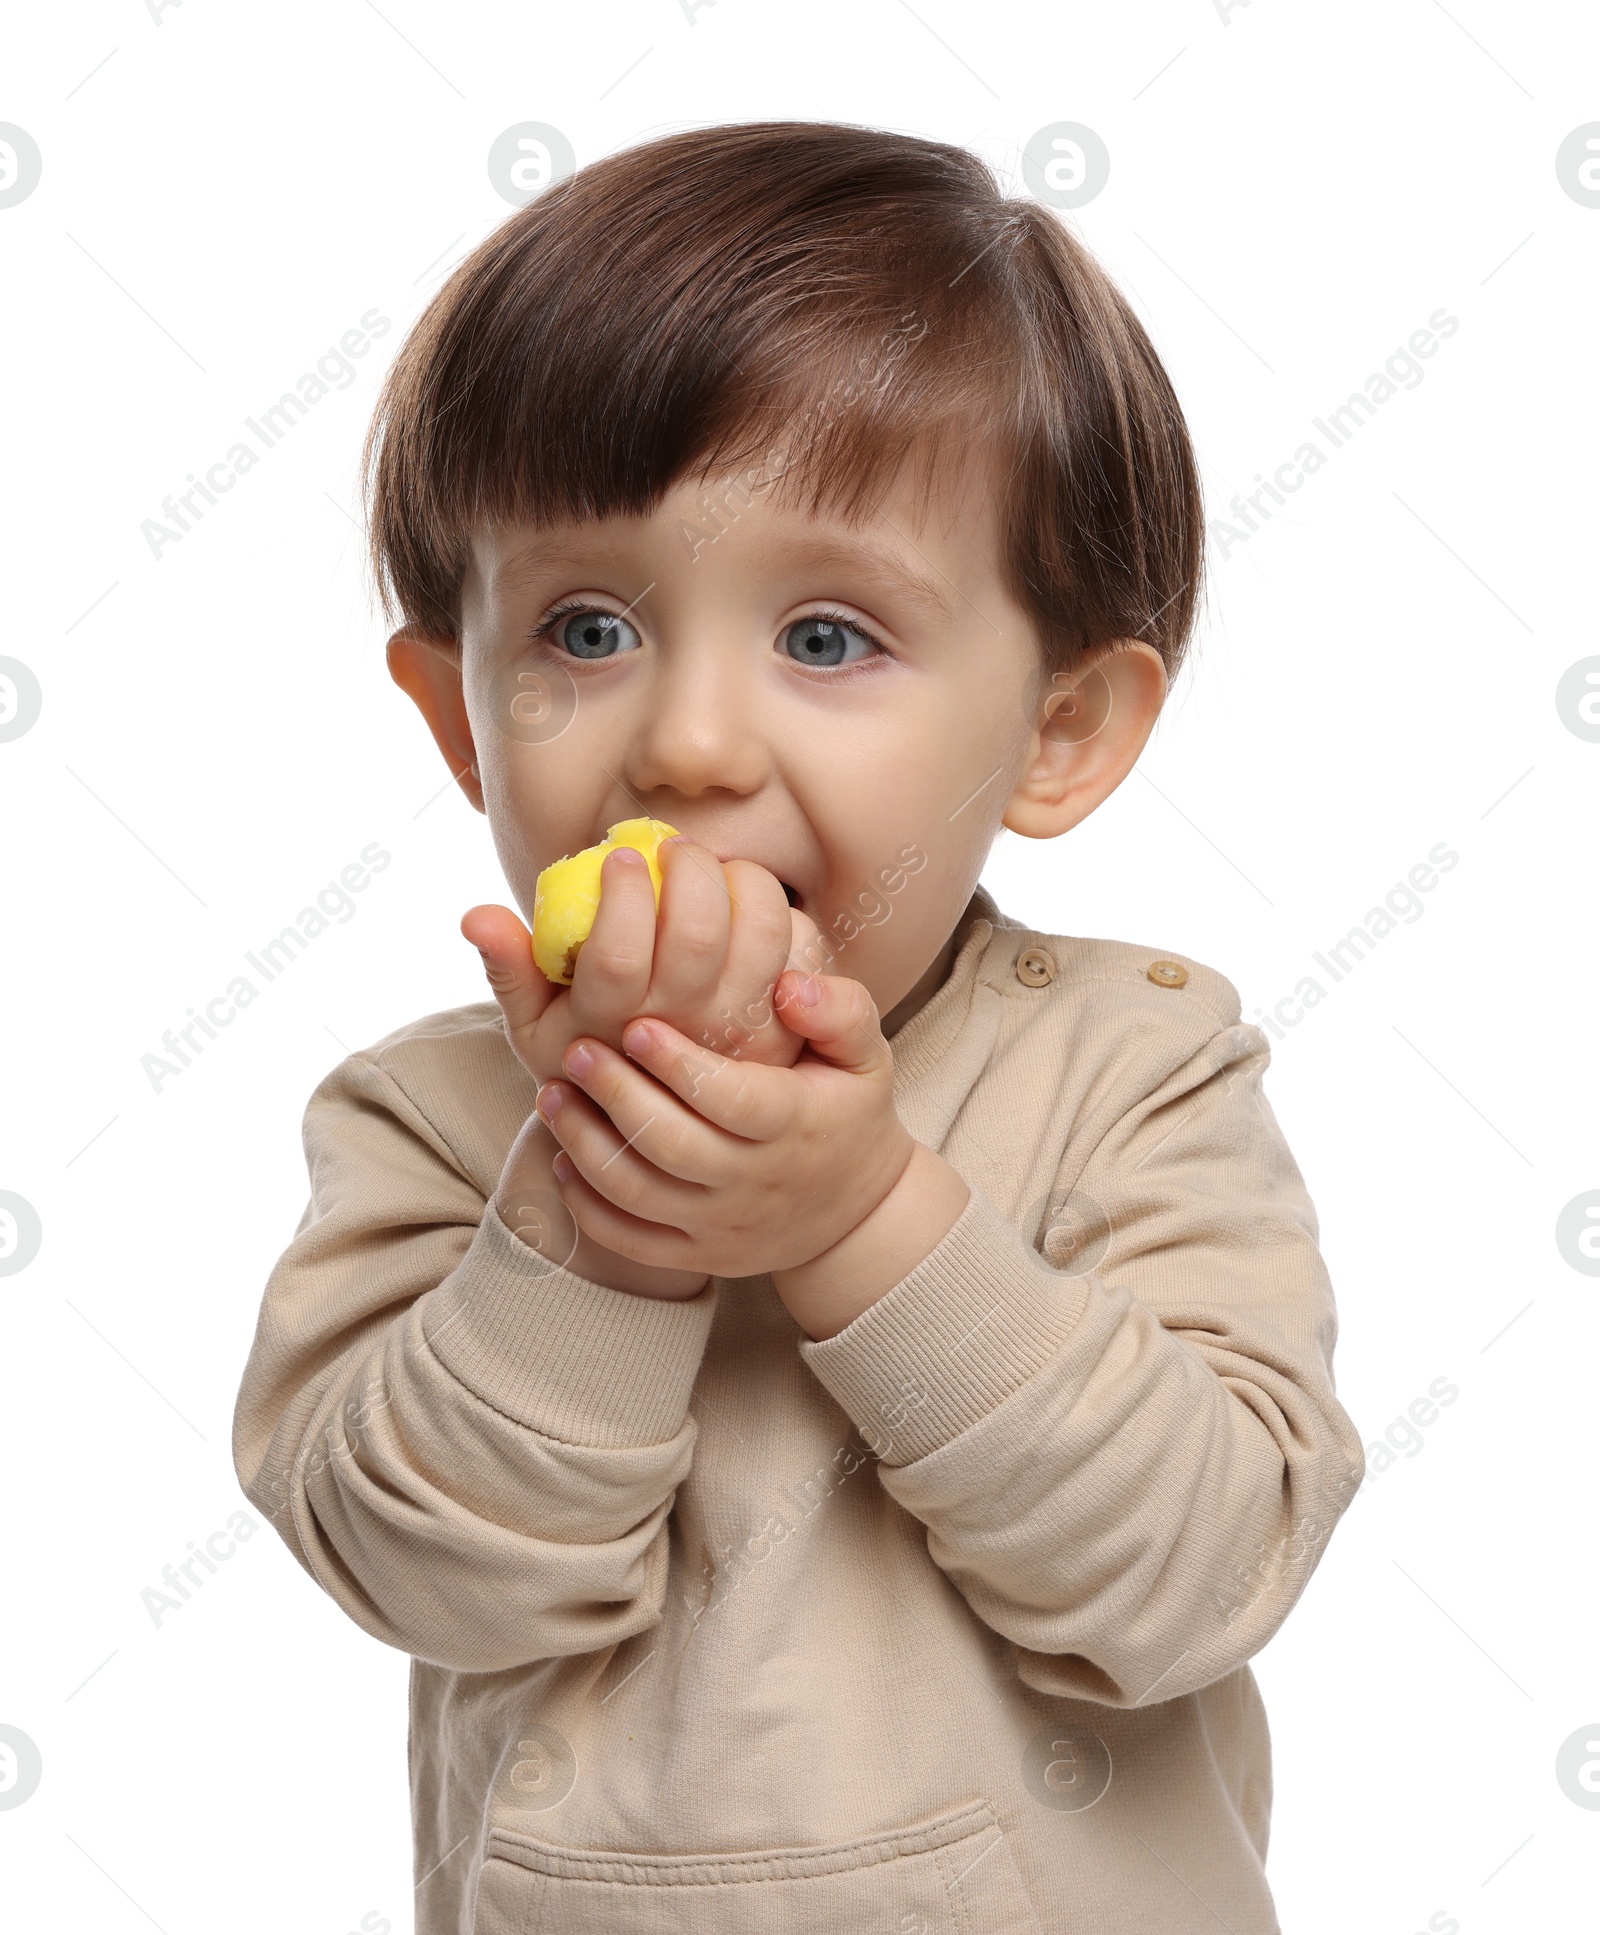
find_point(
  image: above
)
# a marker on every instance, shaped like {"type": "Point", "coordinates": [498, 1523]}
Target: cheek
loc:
{"type": "Point", "coordinates": [541, 802]}
{"type": "Point", "coordinates": [908, 806]}
{"type": "Point", "coordinates": [889, 888]}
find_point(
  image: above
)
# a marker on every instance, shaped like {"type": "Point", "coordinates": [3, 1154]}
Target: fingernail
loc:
{"type": "Point", "coordinates": [577, 1061]}
{"type": "Point", "coordinates": [636, 1037]}
{"type": "Point", "coordinates": [810, 990]}
{"type": "Point", "coordinates": [561, 1166]}
{"type": "Point", "coordinates": [548, 1100]}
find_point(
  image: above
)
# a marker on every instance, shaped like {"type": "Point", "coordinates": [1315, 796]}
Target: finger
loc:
{"type": "Point", "coordinates": [745, 1098]}
{"type": "Point", "coordinates": [758, 945]}
{"type": "Point", "coordinates": [691, 929]}
{"type": "Point", "coordinates": [521, 989]}
{"type": "Point", "coordinates": [667, 1133]}
{"type": "Point", "coordinates": [610, 1163]}
{"type": "Point", "coordinates": [612, 974]}
{"type": "Point", "coordinates": [615, 1229]}
{"type": "Point", "coordinates": [837, 1019]}
{"type": "Point", "coordinates": [808, 952]}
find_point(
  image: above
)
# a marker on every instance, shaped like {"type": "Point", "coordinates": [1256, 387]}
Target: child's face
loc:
{"type": "Point", "coordinates": [846, 705]}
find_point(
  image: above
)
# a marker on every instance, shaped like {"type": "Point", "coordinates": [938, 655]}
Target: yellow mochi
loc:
{"type": "Point", "coordinates": [566, 896]}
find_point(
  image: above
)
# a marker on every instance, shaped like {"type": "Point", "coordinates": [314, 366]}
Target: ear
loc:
{"type": "Point", "coordinates": [429, 670]}
{"type": "Point", "coordinates": [1092, 725]}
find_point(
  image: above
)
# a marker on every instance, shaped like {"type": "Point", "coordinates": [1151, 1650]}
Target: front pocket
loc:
{"type": "Point", "coordinates": [949, 1875]}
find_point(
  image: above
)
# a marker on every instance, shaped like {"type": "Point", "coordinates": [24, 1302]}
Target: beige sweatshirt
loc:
{"type": "Point", "coordinates": [937, 1625]}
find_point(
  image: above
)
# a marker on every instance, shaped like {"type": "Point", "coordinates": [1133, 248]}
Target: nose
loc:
{"type": "Point", "coordinates": [700, 726]}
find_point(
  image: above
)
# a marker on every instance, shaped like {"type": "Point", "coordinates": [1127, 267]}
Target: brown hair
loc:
{"type": "Point", "coordinates": [815, 300]}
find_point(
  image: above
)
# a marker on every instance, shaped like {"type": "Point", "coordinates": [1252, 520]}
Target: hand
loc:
{"type": "Point", "coordinates": [740, 902]}
{"type": "Point", "coordinates": [709, 962]}
{"type": "Point", "coordinates": [682, 1158]}
{"type": "Point", "coordinates": [528, 1199]}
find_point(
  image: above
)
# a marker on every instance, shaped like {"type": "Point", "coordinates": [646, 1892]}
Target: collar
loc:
{"type": "Point", "coordinates": [940, 1052]}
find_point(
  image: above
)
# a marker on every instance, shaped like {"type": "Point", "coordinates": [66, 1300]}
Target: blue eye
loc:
{"type": "Point", "coordinates": [826, 640]}
{"type": "Point", "coordinates": [588, 634]}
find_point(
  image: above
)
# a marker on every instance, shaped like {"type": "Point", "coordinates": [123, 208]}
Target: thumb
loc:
{"type": "Point", "coordinates": [836, 1016]}
{"type": "Point", "coordinates": [521, 989]}
{"type": "Point", "coordinates": [807, 953]}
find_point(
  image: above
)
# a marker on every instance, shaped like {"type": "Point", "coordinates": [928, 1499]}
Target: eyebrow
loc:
{"type": "Point", "coordinates": [878, 561]}
{"type": "Point", "coordinates": [532, 558]}
{"type": "Point", "coordinates": [815, 553]}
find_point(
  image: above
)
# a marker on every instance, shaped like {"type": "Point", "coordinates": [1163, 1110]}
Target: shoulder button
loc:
{"type": "Point", "coordinates": [1167, 974]}
{"type": "Point", "coordinates": [1035, 968]}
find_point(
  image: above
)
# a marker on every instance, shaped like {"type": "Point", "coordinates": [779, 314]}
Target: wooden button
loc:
{"type": "Point", "coordinates": [1035, 968]}
{"type": "Point", "coordinates": [1167, 974]}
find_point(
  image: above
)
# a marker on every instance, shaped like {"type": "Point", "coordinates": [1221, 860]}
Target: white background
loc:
{"type": "Point", "coordinates": [1294, 190]}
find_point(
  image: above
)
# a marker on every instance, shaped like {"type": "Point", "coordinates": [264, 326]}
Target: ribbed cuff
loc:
{"type": "Point", "coordinates": [977, 1317]}
{"type": "Point", "coordinates": [575, 1360]}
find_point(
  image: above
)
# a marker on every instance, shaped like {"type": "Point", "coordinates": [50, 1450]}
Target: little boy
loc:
{"type": "Point", "coordinates": [831, 1399]}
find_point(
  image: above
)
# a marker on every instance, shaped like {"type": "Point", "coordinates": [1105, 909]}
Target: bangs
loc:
{"type": "Point", "coordinates": [807, 305]}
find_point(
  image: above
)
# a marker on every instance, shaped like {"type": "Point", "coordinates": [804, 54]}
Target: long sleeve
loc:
{"type": "Point", "coordinates": [1126, 1450]}
{"type": "Point", "coordinates": [473, 1450]}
